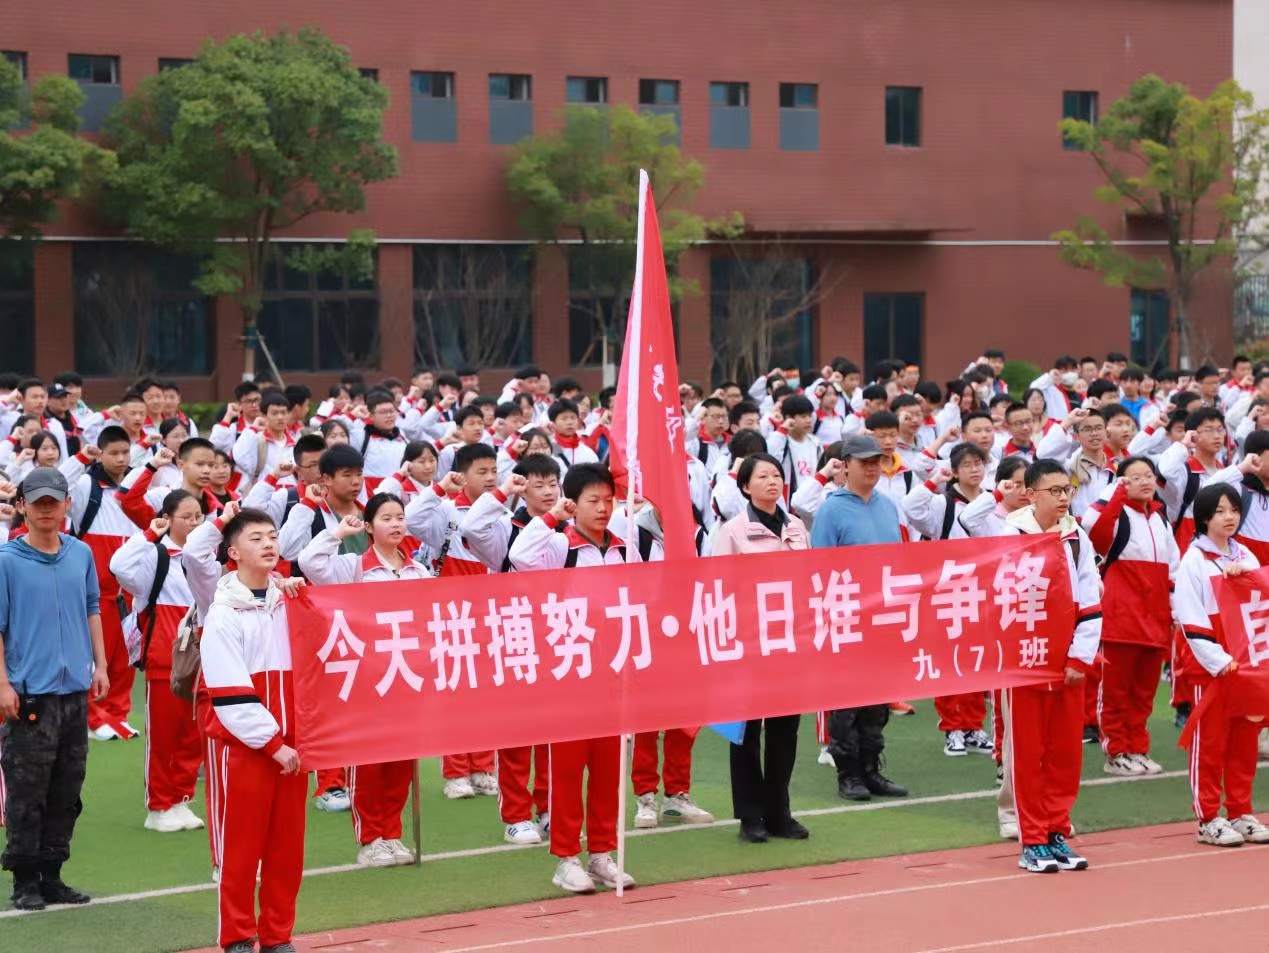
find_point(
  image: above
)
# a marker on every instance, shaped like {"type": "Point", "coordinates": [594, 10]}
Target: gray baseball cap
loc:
{"type": "Point", "coordinates": [861, 447]}
{"type": "Point", "coordinates": [44, 482]}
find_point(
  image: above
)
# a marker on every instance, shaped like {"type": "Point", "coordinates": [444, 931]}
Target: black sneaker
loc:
{"type": "Point", "coordinates": [1091, 735]}
{"type": "Point", "coordinates": [54, 891]}
{"type": "Point", "coordinates": [880, 785]}
{"type": "Point", "coordinates": [853, 789]}
{"type": "Point", "coordinates": [1182, 715]}
{"type": "Point", "coordinates": [754, 832]}
{"type": "Point", "coordinates": [280, 948]}
{"type": "Point", "coordinates": [241, 946]}
{"type": "Point", "coordinates": [26, 896]}
{"type": "Point", "coordinates": [1066, 858]}
{"type": "Point", "coordinates": [789, 830]}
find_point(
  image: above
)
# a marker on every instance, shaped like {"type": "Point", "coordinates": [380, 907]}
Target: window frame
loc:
{"type": "Point", "coordinates": [792, 89]}
{"type": "Point", "coordinates": [525, 79]}
{"type": "Point", "coordinates": [94, 59]}
{"type": "Point", "coordinates": [891, 349]}
{"type": "Point", "coordinates": [655, 85]}
{"type": "Point", "coordinates": [728, 87]}
{"type": "Point", "coordinates": [447, 78]}
{"type": "Point", "coordinates": [1082, 97]}
{"type": "Point", "coordinates": [600, 87]}
{"type": "Point", "coordinates": [900, 94]}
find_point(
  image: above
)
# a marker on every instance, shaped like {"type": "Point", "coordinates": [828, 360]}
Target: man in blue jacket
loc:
{"type": "Point", "coordinates": [857, 515]}
{"type": "Point", "coordinates": [51, 657]}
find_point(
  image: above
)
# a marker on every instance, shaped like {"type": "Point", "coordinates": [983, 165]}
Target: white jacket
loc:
{"type": "Point", "coordinates": [323, 564]}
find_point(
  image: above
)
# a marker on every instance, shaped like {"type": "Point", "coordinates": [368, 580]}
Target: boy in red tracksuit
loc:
{"type": "Point", "coordinates": [588, 501]}
{"type": "Point", "coordinates": [246, 675]}
{"type": "Point", "coordinates": [1045, 730]}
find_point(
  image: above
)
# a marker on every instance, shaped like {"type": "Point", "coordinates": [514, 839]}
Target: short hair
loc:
{"type": "Point", "coordinates": [340, 457]}
{"type": "Point", "coordinates": [929, 390]}
{"type": "Point", "coordinates": [964, 450]}
{"type": "Point", "coordinates": [486, 400]}
{"type": "Point", "coordinates": [1208, 499]}
{"type": "Point", "coordinates": [714, 403]}
{"type": "Point", "coordinates": [881, 420]}
{"type": "Point", "coordinates": [466, 456]}
{"type": "Point", "coordinates": [389, 383]}
{"type": "Point", "coordinates": [904, 400]}
{"type": "Point", "coordinates": [415, 449]}
{"type": "Point", "coordinates": [131, 397]}
{"type": "Point", "coordinates": [831, 452]}
{"type": "Point", "coordinates": [172, 502]}
{"type": "Point", "coordinates": [583, 476]}
{"type": "Point", "coordinates": [188, 447]}
{"type": "Point", "coordinates": [1239, 359]}
{"type": "Point", "coordinates": [1101, 387]}
{"type": "Point", "coordinates": [449, 380]}
{"type": "Point", "coordinates": [1132, 373]}
{"type": "Point", "coordinates": [745, 442]}
{"type": "Point", "coordinates": [742, 407]}
{"type": "Point", "coordinates": [333, 424]}
{"type": "Point", "coordinates": [112, 435]}
{"type": "Point", "coordinates": [297, 394]}
{"type": "Point", "coordinates": [874, 392]}
{"type": "Point", "coordinates": [1206, 371]}
{"type": "Point", "coordinates": [378, 502]}
{"type": "Point", "coordinates": [1041, 468]}
{"type": "Point", "coordinates": [745, 473]}
{"type": "Point", "coordinates": [1008, 468]}
{"type": "Point", "coordinates": [1088, 359]}
{"type": "Point", "coordinates": [1184, 399]}
{"type": "Point", "coordinates": [506, 409]}
{"type": "Point", "coordinates": [26, 384]}
{"type": "Point", "coordinates": [247, 516]}
{"type": "Point", "coordinates": [1014, 408]}
{"type": "Point", "coordinates": [69, 379]}
{"type": "Point", "coordinates": [243, 389]}
{"type": "Point", "coordinates": [528, 371]}
{"type": "Point", "coordinates": [1110, 411]}
{"type": "Point", "coordinates": [39, 438]}
{"type": "Point", "coordinates": [465, 414]}
{"type": "Point", "coordinates": [994, 352]}
{"type": "Point", "coordinates": [795, 405]}
{"type": "Point", "coordinates": [565, 384]}
{"type": "Point", "coordinates": [561, 406]}
{"type": "Point", "coordinates": [844, 366]}
{"type": "Point", "coordinates": [725, 385]}
{"type": "Point", "coordinates": [1116, 357]}
{"type": "Point", "coordinates": [274, 398]}
{"type": "Point", "coordinates": [377, 397]}
{"type": "Point", "coordinates": [1167, 374]}
{"type": "Point", "coordinates": [352, 377]}
{"type": "Point", "coordinates": [309, 443]}
{"type": "Point", "coordinates": [1065, 362]}
{"type": "Point", "coordinates": [539, 465]}
{"type": "Point", "coordinates": [606, 396]}
{"type": "Point", "coordinates": [1001, 399]}
{"type": "Point", "coordinates": [1202, 416]}
{"type": "Point", "coordinates": [1257, 442]}
{"type": "Point", "coordinates": [973, 415]}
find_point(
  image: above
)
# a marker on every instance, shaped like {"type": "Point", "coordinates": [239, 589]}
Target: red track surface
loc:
{"type": "Point", "coordinates": [1150, 889]}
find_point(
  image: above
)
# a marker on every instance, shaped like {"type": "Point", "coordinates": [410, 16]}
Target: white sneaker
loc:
{"type": "Point", "coordinates": [402, 856]}
{"type": "Point", "coordinates": [1124, 766]}
{"type": "Point", "coordinates": [522, 832]}
{"type": "Point", "coordinates": [681, 809]}
{"type": "Point", "coordinates": [375, 854]}
{"type": "Point", "coordinates": [333, 802]}
{"type": "Point", "coordinates": [459, 789]}
{"type": "Point", "coordinates": [604, 869]}
{"type": "Point", "coordinates": [104, 733]}
{"type": "Point", "coordinates": [570, 876]}
{"type": "Point", "coordinates": [543, 824]}
{"type": "Point", "coordinates": [484, 784]}
{"type": "Point", "coordinates": [1252, 831]}
{"type": "Point", "coordinates": [215, 875]}
{"type": "Point", "coordinates": [191, 820]}
{"type": "Point", "coordinates": [825, 758]}
{"type": "Point", "coordinates": [954, 746]}
{"type": "Point", "coordinates": [1219, 833]}
{"type": "Point", "coordinates": [978, 742]}
{"type": "Point", "coordinates": [1008, 830]}
{"type": "Point", "coordinates": [646, 811]}
{"type": "Point", "coordinates": [165, 822]}
{"type": "Point", "coordinates": [1149, 764]}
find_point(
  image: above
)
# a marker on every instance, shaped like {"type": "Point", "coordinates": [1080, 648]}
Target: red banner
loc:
{"type": "Point", "coordinates": [1244, 610]}
{"type": "Point", "coordinates": [398, 670]}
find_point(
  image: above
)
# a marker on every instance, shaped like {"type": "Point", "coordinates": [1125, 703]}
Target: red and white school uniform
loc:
{"type": "Point", "coordinates": [247, 453]}
{"type": "Point", "coordinates": [259, 812]}
{"type": "Point", "coordinates": [377, 791]}
{"type": "Point", "coordinates": [539, 546]}
{"type": "Point", "coordinates": [403, 486]}
{"type": "Point", "coordinates": [225, 433]}
{"type": "Point", "coordinates": [1044, 736]}
{"type": "Point", "coordinates": [1136, 613]}
{"type": "Point", "coordinates": [1223, 745]}
{"type": "Point", "coordinates": [798, 458]}
{"type": "Point", "coordinates": [173, 747]}
{"type": "Point", "coordinates": [570, 451]}
{"type": "Point", "coordinates": [145, 495]}
{"type": "Point", "coordinates": [381, 451]}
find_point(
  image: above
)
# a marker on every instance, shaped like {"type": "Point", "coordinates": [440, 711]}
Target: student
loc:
{"type": "Point", "coordinates": [33, 402]}
{"type": "Point", "coordinates": [1192, 464]}
{"type": "Point", "coordinates": [223, 480]}
{"type": "Point", "coordinates": [325, 503]}
{"type": "Point", "coordinates": [1139, 559]}
{"type": "Point", "coordinates": [246, 673]}
{"type": "Point", "coordinates": [709, 446]}
{"type": "Point", "coordinates": [793, 444]}
{"type": "Point", "coordinates": [908, 409]}
{"type": "Point", "coordinates": [378, 791]}
{"type": "Point", "coordinates": [1043, 733]}
{"type": "Point", "coordinates": [239, 414]}
{"type": "Point", "coordinates": [258, 452]}
{"type": "Point", "coordinates": [161, 598]}
{"type": "Point", "coordinates": [1223, 746]}
{"type": "Point", "coordinates": [417, 472]}
{"type": "Point", "coordinates": [570, 449]}
{"type": "Point", "coordinates": [586, 541]}
{"type": "Point", "coordinates": [1085, 459]}
{"type": "Point", "coordinates": [1020, 425]}
{"type": "Point", "coordinates": [469, 429]}
{"type": "Point", "coordinates": [897, 479]}
{"type": "Point", "coordinates": [279, 492]}
{"type": "Point", "coordinates": [193, 466]}
{"type": "Point", "coordinates": [379, 440]}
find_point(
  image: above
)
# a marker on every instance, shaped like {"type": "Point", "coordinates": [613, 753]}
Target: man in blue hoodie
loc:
{"type": "Point", "coordinates": [857, 515]}
{"type": "Point", "coordinates": [51, 657]}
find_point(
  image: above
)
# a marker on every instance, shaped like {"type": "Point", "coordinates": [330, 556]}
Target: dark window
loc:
{"type": "Point", "coordinates": [17, 60]}
{"type": "Point", "coordinates": [516, 87]}
{"type": "Point", "coordinates": [370, 73]}
{"type": "Point", "coordinates": [592, 90]}
{"type": "Point", "coordinates": [319, 322]}
{"type": "Point", "coordinates": [658, 92]}
{"type": "Point", "coordinates": [168, 63]}
{"type": "Point", "coordinates": [510, 108]}
{"type": "Point", "coordinates": [17, 309]}
{"type": "Point", "coordinates": [762, 314]}
{"type": "Point", "coordinates": [903, 115]}
{"type": "Point", "coordinates": [433, 111]}
{"type": "Point", "coordinates": [729, 115]}
{"type": "Point", "coordinates": [98, 78]}
{"type": "Point", "coordinates": [799, 117]}
{"type": "Point", "coordinates": [473, 305]}
{"type": "Point", "coordinates": [97, 70]}
{"type": "Point", "coordinates": [137, 311]}
{"type": "Point", "coordinates": [799, 96]}
{"type": "Point", "coordinates": [432, 85]}
{"type": "Point", "coordinates": [893, 327]}
{"type": "Point", "coordinates": [1148, 330]}
{"type": "Point", "coordinates": [729, 94]}
{"type": "Point", "coordinates": [1081, 105]}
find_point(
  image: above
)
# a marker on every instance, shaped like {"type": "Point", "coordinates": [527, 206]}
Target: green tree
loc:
{"type": "Point", "coordinates": [580, 185]}
{"type": "Point", "coordinates": [42, 160]}
{"type": "Point", "coordinates": [254, 136]}
{"type": "Point", "coordinates": [1187, 165]}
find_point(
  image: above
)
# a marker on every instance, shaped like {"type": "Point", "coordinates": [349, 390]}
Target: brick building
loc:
{"type": "Point", "coordinates": [903, 154]}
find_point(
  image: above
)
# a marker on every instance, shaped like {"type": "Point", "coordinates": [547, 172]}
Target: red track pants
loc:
{"type": "Point", "coordinates": [261, 826]}
{"type": "Point", "coordinates": [331, 779]}
{"type": "Point", "coordinates": [113, 710]}
{"type": "Point", "coordinates": [676, 767]}
{"type": "Point", "coordinates": [173, 746]}
{"type": "Point", "coordinates": [1092, 689]}
{"type": "Point", "coordinates": [1045, 748]}
{"type": "Point", "coordinates": [965, 712]}
{"type": "Point", "coordinates": [515, 801]}
{"type": "Point", "coordinates": [1130, 678]}
{"type": "Point", "coordinates": [821, 727]}
{"type": "Point", "coordinates": [997, 726]}
{"type": "Point", "coordinates": [599, 759]}
{"type": "Point", "coordinates": [378, 793]}
{"type": "Point", "coordinates": [465, 765]}
{"type": "Point", "coordinates": [1223, 758]}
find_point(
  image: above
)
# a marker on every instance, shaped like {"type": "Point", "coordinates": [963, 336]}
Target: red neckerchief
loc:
{"type": "Point", "coordinates": [1012, 448]}
{"type": "Point", "coordinates": [568, 443]}
{"type": "Point", "coordinates": [461, 501]}
{"type": "Point", "coordinates": [370, 558]}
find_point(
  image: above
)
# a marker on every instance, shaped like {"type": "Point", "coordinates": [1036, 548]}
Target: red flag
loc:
{"type": "Point", "coordinates": [647, 432]}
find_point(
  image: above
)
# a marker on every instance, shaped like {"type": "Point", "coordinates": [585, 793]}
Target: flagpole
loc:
{"type": "Point", "coordinates": [633, 354]}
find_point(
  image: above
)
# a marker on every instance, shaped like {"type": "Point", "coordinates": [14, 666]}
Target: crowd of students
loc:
{"type": "Point", "coordinates": [1157, 484]}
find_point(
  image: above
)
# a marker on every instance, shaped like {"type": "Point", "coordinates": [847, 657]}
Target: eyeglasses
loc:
{"type": "Point", "coordinates": [1211, 431]}
{"type": "Point", "coordinates": [1057, 492]}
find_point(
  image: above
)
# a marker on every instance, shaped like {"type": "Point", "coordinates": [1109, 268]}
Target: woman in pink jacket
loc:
{"type": "Point", "coordinates": [760, 781]}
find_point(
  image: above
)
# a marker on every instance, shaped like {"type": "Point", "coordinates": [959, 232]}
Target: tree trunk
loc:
{"type": "Point", "coordinates": [1181, 323]}
{"type": "Point", "coordinates": [249, 332]}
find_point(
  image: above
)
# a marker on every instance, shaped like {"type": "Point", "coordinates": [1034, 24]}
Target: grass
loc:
{"type": "Point", "coordinates": [114, 855]}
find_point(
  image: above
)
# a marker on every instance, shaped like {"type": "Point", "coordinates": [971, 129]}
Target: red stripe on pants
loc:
{"type": "Point", "coordinates": [1046, 737]}
{"type": "Point", "coordinates": [1223, 757]}
{"type": "Point", "coordinates": [113, 710]}
{"type": "Point", "coordinates": [173, 747]}
{"type": "Point", "coordinates": [964, 712]}
{"type": "Point", "coordinates": [263, 829]}
{"type": "Point", "coordinates": [676, 767]}
{"type": "Point", "coordinates": [599, 759]}
{"type": "Point", "coordinates": [465, 765]}
{"type": "Point", "coordinates": [1130, 678]}
{"type": "Point", "coordinates": [515, 803]}
{"type": "Point", "coordinates": [1092, 687]}
{"type": "Point", "coordinates": [378, 793]}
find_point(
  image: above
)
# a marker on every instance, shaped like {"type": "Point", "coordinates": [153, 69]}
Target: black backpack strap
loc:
{"type": "Point", "coordinates": [95, 493]}
{"type": "Point", "coordinates": [365, 442]}
{"type": "Point", "coordinates": [1187, 497]}
{"type": "Point", "coordinates": [702, 452]}
{"type": "Point", "coordinates": [1123, 531]}
{"type": "Point", "coordinates": [163, 563]}
{"type": "Point", "coordinates": [949, 513]}
{"type": "Point", "coordinates": [646, 539]}
{"type": "Point", "coordinates": [571, 559]}
{"type": "Point", "coordinates": [907, 480]}
{"type": "Point", "coordinates": [319, 524]}
{"type": "Point", "coordinates": [292, 497]}
{"type": "Point", "coordinates": [1074, 543]}
{"type": "Point", "coordinates": [1246, 496]}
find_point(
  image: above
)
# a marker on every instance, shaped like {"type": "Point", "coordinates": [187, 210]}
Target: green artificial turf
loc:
{"type": "Point", "coordinates": [114, 855]}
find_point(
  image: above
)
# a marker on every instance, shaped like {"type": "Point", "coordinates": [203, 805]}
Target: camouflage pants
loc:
{"type": "Point", "coordinates": [44, 760]}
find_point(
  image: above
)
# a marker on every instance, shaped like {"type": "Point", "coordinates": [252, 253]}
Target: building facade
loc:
{"type": "Point", "coordinates": [897, 165]}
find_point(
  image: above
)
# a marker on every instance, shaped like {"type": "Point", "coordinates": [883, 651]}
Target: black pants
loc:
{"type": "Point", "coordinates": [44, 761]}
{"type": "Point", "coordinates": [760, 780]}
{"type": "Point", "coordinates": [856, 738]}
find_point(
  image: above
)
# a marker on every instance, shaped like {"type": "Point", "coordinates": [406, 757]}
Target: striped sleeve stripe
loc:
{"type": "Point", "coordinates": [224, 690]}
{"type": "Point", "coordinates": [1089, 615]}
{"type": "Point", "coordinates": [222, 701]}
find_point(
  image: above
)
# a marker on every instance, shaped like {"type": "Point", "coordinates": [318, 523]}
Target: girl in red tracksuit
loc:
{"type": "Point", "coordinates": [378, 791]}
{"type": "Point", "coordinates": [173, 750]}
{"type": "Point", "coordinates": [1223, 746]}
{"type": "Point", "coordinates": [588, 501]}
{"type": "Point", "coordinates": [1129, 530]}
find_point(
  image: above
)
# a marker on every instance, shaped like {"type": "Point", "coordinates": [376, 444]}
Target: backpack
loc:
{"type": "Point", "coordinates": [1187, 497]}
{"type": "Point", "coordinates": [186, 658]}
{"type": "Point", "coordinates": [570, 561]}
{"type": "Point", "coordinates": [95, 493]}
{"type": "Point", "coordinates": [1123, 530]}
{"type": "Point", "coordinates": [161, 567]}
{"type": "Point", "coordinates": [949, 513]}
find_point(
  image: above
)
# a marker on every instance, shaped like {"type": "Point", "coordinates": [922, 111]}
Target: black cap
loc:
{"type": "Point", "coordinates": [861, 447]}
{"type": "Point", "coordinates": [58, 390]}
{"type": "Point", "coordinates": [44, 482]}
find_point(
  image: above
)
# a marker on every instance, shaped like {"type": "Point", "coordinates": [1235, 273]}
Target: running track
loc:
{"type": "Point", "coordinates": [1150, 889]}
